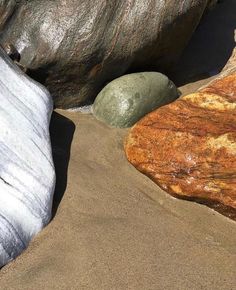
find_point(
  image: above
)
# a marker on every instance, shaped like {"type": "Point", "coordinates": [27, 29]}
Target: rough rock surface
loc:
{"type": "Point", "coordinates": [189, 147]}
{"type": "Point", "coordinates": [127, 99]}
{"type": "Point", "coordinates": [26, 168]}
{"type": "Point", "coordinates": [75, 47]}
{"type": "Point", "coordinates": [6, 10]}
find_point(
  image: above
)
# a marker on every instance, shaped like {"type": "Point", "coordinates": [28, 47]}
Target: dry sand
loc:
{"type": "Point", "coordinates": [113, 228]}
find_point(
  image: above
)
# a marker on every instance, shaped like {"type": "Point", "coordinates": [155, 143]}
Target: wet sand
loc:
{"type": "Point", "coordinates": [113, 228]}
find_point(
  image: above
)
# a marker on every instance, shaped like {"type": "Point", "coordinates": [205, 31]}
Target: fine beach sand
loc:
{"type": "Point", "coordinates": [112, 227]}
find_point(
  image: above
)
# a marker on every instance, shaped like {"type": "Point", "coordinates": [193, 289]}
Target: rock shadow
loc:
{"type": "Point", "coordinates": [210, 47]}
{"type": "Point", "coordinates": [61, 131]}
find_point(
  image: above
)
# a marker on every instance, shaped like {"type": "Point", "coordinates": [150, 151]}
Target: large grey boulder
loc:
{"type": "Point", "coordinates": [6, 9]}
{"type": "Point", "coordinates": [127, 99]}
{"type": "Point", "coordinates": [75, 46]}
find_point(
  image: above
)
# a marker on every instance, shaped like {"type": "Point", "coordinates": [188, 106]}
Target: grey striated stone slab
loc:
{"type": "Point", "coordinates": [27, 176]}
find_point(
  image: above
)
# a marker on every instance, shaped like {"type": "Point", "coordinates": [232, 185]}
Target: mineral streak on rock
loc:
{"type": "Point", "coordinates": [189, 146]}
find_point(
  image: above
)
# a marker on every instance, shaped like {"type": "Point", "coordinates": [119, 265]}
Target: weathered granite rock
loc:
{"type": "Point", "coordinates": [6, 9]}
{"type": "Point", "coordinates": [75, 47]}
{"type": "Point", "coordinates": [27, 174]}
{"type": "Point", "coordinates": [189, 146]}
{"type": "Point", "coordinates": [127, 99]}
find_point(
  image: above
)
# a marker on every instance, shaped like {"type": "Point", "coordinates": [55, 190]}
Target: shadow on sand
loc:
{"type": "Point", "coordinates": [210, 47]}
{"type": "Point", "coordinates": [62, 131]}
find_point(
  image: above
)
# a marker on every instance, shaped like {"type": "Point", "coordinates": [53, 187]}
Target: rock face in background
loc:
{"type": "Point", "coordinates": [6, 10]}
{"type": "Point", "coordinates": [27, 175]}
{"type": "Point", "coordinates": [189, 147]}
{"type": "Point", "coordinates": [75, 47]}
{"type": "Point", "coordinates": [127, 99]}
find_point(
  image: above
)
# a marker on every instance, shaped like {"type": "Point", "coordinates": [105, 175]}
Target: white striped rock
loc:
{"type": "Point", "coordinates": [27, 176]}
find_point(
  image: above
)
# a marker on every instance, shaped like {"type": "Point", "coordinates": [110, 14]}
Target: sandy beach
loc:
{"type": "Point", "coordinates": [112, 227]}
{"type": "Point", "coordinates": [115, 229]}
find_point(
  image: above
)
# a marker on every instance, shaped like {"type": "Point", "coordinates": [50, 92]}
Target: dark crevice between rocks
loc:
{"type": "Point", "coordinates": [40, 74]}
{"type": "Point", "coordinates": [61, 131]}
{"type": "Point", "coordinates": [210, 46]}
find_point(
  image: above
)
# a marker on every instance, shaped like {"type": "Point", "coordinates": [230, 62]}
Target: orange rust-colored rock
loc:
{"type": "Point", "coordinates": [189, 146]}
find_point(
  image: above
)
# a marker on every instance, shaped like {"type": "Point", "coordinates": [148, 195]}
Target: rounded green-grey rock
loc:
{"type": "Point", "coordinates": [127, 99]}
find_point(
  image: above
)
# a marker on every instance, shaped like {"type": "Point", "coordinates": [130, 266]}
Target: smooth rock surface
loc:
{"type": "Point", "coordinates": [27, 174]}
{"type": "Point", "coordinates": [127, 99]}
{"type": "Point", "coordinates": [6, 9]}
{"type": "Point", "coordinates": [75, 47]}
{"type": "Point", "coordinates": [189, 147]}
